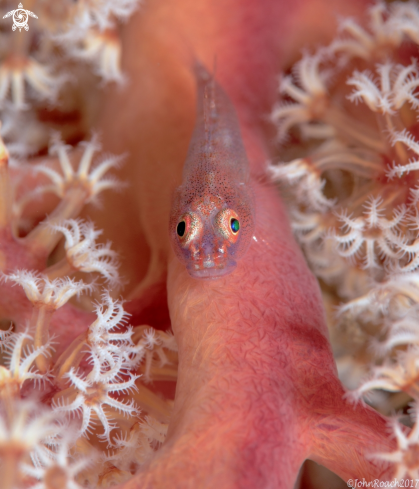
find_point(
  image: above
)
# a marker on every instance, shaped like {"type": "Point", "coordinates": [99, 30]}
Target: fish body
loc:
{"type": "Point", "coordinates": [212, 216]}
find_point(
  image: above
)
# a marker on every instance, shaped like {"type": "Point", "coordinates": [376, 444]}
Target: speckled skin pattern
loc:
{"type": "Point", "coordinates": [215, 188]}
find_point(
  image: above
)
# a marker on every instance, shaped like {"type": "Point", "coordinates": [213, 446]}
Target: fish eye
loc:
{"type": "Point", "coordinates": [188, 228]}
{"type": "Point", "coordinates": [227, 224]}
{"type": "Point", "coordinates": [235, 225]}
{"type": "Point", "coordinates": [181, 227]}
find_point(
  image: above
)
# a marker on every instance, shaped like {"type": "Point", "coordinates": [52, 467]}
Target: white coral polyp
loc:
{"type": "Point", "coordinates": [94, 396]}
{"type": "Point", "coordinates": [28, 426]}
{"type": "Point", "coordinates": [20, 355]}
{"type": "Point", "coordinates": [103, 49]}
{"type": "Point", "coordinates": [44, 292]}
{"type": "Point", "coordinates": [14, 73]}
{"type": "Point", "coordinates": [405, 458]}
{"type": "Point", "coordinates": [387, 92]}
{"type": "Point", "coordinates": [90, 177]}
{"type": "Point", "coordinates": [84, 254]}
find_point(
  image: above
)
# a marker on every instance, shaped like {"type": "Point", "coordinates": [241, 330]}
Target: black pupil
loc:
{"type": "Point", "coordinates": [235, 226]}
{"type": "Point", "coordinates": [181, 228]}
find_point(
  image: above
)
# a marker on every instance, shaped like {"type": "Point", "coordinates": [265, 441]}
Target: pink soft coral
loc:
{"type": "Point", "coordinates": [257, 389]}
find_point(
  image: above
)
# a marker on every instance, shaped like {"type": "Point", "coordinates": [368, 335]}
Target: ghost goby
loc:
{"type": "Point", "coordinates": [212, 216]}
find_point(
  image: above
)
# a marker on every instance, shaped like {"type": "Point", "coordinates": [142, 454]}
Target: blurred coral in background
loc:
{"type": "Point", "coordinates": [348, 132]}
{"type": "Point", "coordinates": [86, 389]}
{"type": "Point", "coordinates": [74, 408]}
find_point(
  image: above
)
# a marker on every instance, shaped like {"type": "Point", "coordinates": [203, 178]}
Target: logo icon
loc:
{"type": "Point", "coordinates": [20, 17]}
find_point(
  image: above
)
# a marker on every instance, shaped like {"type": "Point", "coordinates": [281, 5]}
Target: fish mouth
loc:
{"type": "Point", "coordinates": [211, 267]}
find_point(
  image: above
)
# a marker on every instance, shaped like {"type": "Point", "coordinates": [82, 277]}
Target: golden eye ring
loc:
{"type": "Point", "coordinates": [188, 228]}
{"type": "Point", "coordinates": [227, 224]}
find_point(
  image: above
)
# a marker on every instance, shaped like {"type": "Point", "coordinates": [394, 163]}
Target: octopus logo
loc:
{"type": "Point", "coordinates": [20, 17]}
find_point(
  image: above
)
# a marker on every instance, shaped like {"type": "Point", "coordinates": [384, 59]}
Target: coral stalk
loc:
{"type": "Point", "coordinates": [258, 393]}
{"type": "Point", "coordinates": [41, 318]}
{"type": "Point", "coordinates": [5, 197]}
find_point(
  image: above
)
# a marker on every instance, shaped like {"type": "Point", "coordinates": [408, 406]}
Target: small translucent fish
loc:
{"type": "Point", "coordinates": [212, 217]}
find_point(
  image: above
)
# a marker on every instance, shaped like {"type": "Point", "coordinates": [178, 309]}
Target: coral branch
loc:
{"type": "Point", "coordinates": [5, 195]}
